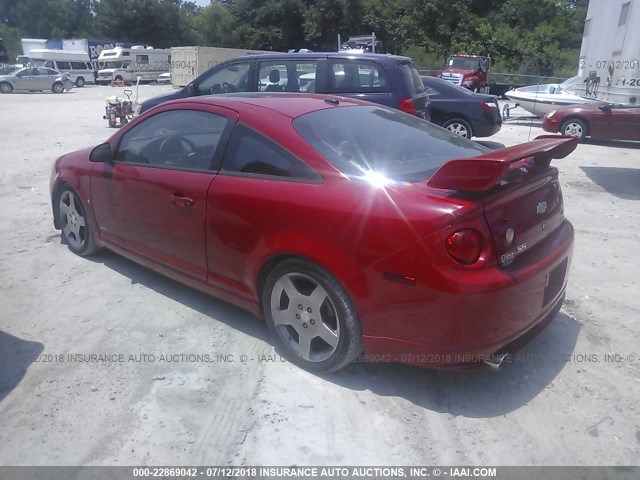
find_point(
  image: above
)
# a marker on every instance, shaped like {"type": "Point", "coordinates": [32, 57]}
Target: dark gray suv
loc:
{"type": "Point", "coordinates": [385, 79]}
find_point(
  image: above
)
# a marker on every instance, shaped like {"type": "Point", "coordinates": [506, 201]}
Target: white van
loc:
{"type": "Point", "coordinates": [76, 64]}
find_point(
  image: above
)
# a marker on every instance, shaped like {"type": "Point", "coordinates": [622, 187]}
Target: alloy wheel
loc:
{"type": "Point", "coordinates": [73, 222]}
{"type": "Point", "coordinates": [574, 129]}
{"type": "Point", "coordinates": [305, 317]}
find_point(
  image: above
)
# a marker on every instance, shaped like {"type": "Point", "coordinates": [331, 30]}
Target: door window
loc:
{"type": "Point", "coordinates": [288, 76]}
{"type": "Point", "coordinates": [27, 73]}
{"type": "Point", "coordinates": [252, 153]}
{"type": "Point", "coordinates": [227, 79]}
{"type": "Point", "coordinates": [181, 139]}
{"type": "Point", "coordinates": [78, 65]}
{"type": "Point", "coordinates": [64, 65]}
{"type": "Point", "coordinates": [353, 76]}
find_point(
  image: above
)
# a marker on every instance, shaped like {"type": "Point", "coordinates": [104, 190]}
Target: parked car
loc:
{"type": "Point", "coordinates": [348, 226]}
{"type": "Point", "coordinates": [385, 79]}
{"type": "Point", "coordinates": [164, 77]}
{"type": "Point", "coordinates": [461, 111]}
{"type": "Point", "coordinates": [599, 119]}
{"type": "Point", "coordinates": [35, 79]}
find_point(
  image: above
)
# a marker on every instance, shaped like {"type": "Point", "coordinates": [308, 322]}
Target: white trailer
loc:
{"type": "Point", "coordinates": [610, 55]}
{"type": "Point", "coordinates": [127, 64]}
{"type": "Point", "coordinates": [187, 63]}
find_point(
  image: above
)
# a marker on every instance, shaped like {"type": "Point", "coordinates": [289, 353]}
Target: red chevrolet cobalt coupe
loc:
{"type": "Point", "coordinates": [349, 226]}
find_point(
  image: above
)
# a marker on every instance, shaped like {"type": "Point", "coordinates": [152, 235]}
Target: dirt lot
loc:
{"type": "Point", "coordinates": [561, 403]}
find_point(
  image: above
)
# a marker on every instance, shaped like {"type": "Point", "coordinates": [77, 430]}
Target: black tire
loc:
{"type": "Point", "coordinates": [81, 241]}
{"type": "Point", "coordinates": [79, 82]}
{"type": "Point", "coordinates": [458, 126]}
{"type": "Point", "coordinates": [6, 87]}
{"type": "Point", "coordinates": [575, 127]}
{"type": "Point", "coordinates": [336, 307]}
{"type": "Point", "coordinates": [118, 78]}
{"type": "Point", "coordinates": [57, 88]}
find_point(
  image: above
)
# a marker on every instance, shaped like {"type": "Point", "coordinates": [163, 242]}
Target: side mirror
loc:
{"type": "Point", "coordinates": [605, 107]}
{"type": "Point", "coordinates": [102, 154]}
{"type": "Point", "coordinates": [191, 88]}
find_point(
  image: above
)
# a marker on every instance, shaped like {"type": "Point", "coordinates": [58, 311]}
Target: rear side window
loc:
{"type": "Point", "coordinates": [78, 65]}
{"type": "Point", "coordinates": [64, 65]}
{"type": "Point", "coordinates": [357, 76]}
{"type": "Point", "coordinates": [287, 76]}
{"type": "Point", "coordinates": [251, 153]}
{"type": "Point", "coordinates": [378, 143]}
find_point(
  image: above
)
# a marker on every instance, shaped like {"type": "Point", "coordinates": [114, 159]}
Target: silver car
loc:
{"type": "Point", "coordinates": [35, 79]}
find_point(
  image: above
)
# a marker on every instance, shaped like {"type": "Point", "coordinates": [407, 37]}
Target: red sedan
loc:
{"type": "Point", "coordinates": [599, 119]}
{"type": "Point", "coordinates": [350, 227]}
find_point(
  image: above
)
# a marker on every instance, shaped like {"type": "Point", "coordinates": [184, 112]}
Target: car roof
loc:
{"type": "Point", "coordinates": [313, 55]}
{"type": "Point", "coordinates": [288, 104]}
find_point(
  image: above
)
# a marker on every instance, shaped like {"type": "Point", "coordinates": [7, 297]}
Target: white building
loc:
{"type": "Point", "coordinates": [610, 53]}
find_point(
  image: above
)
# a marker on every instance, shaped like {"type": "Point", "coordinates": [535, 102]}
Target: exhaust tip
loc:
{"type": "Point", "coordinates": [496, 360]}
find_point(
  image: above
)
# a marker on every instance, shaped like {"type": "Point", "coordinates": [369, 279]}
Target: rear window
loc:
{"type": "Point", "coordinates": [382, 143]}
{"type": "Point", "coordinates": [410, 71]}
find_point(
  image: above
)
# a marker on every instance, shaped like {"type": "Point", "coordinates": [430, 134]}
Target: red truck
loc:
{"type": "Point", "coordinates": [470, 71]}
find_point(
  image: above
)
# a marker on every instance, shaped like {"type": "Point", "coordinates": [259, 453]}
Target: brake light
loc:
{"type": "Point", "coordinates": [407, 105]}
{"type": "Point", "coordinates": [488, 105]}
{"type": "Point", "coordinates": [465, 246]}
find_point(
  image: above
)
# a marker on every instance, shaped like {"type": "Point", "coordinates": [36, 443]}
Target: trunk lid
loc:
{"type": "Point", "coordinates": [531, 206]}
{"type": "Point", "coordinates": [519, 191]}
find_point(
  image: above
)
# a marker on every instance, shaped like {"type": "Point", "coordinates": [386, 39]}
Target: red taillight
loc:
{"type": "Point", "coordinates": [406, 105]}
{"type": "Point", "coordinates": [465, 246]}
{"type": "Point", "coordinates": [488, 105]}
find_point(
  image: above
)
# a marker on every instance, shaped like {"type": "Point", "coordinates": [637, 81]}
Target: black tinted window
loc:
{"type": "Point", "coordinates": [79, 65]}
{"type": "Point", "coordinates": [183, 139]}
{"type": "Point", "coordinates": [64, 65]}
{"type": "Point", "coordinates": [382, 143]}
{"type": "Point", "coordinates": [352, 76]}
{"type": "Point", "coordinates": [252, 153]}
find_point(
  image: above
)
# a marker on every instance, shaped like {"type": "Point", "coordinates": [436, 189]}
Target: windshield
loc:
{"type": "Point", "coordinates": [463, 63]}
{"type": "Point", "coordinates": [7, 70]}
{"type": "Point", "coordinates": [356, 140]}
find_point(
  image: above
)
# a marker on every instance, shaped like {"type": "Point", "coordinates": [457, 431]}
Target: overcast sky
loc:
{"type": "Point", "coordinates": [202, 3]}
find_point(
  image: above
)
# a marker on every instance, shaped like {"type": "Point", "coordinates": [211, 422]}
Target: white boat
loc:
{"type": "Point", "coordinates": [542, 99]}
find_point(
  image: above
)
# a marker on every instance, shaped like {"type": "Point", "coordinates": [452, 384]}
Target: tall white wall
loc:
{"type": "Point", "coordinates": [612, 51]}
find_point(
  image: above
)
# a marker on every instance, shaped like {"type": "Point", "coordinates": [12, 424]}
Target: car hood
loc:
{"type": "Point", "coordinates": [152, 102]}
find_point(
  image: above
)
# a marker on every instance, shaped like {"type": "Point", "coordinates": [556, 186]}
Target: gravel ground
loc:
{"type": "Point", "coordinates": [562, 402]}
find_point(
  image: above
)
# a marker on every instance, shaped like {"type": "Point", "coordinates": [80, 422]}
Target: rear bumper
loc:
{"type": "Point", "coordinates": [490, 124]}
{"type": "Point", "coordinates": [499, 310]}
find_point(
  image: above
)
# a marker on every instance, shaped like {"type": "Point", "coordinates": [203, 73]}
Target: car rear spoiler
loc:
{"type": "Point", "coordinates": [481, 173]}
